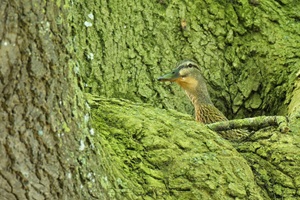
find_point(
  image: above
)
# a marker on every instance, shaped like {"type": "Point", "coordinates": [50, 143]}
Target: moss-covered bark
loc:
{"type": "Point", "coordinates": [294, 106]}
{"type": "Point", "coordinates": [160, 154]}
{"type": "Point", "coordinates": [157, 156]}
{"type": "Point", "coordinates": [248, 52]}
{"type": "Point", "coordinates": [275, 160]}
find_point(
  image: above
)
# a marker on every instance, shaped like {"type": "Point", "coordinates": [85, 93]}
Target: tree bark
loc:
{"type": "Point", "coordinates": [51, 147]}
{"type": "Point", "coordinates": [248, 52]}
{"type": "Point", "coordinates": [169, 156]}
{"type": "Point", "coordinates": [43, 132]}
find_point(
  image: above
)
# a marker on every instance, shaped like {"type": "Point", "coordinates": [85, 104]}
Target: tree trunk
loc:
{"type": "Point", "coordinates": [55, 145]}
{"type": "Point", "coordinates": [165, 154]}
{"type": "Point", "coordinates": [43, 132]}
{"type": "Point", "coordinates": [161, 154]}
{"type": "Point", "coordinates": [248, 52]}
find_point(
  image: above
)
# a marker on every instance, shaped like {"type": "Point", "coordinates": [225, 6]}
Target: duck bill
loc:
{"type": "Point", "coordinates": [168, 77]}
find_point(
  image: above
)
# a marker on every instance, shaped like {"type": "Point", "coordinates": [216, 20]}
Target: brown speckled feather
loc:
{"type": "Point", "coordinates": [205, 112]}
{"type": "Point", "coordinates": [208, 113]}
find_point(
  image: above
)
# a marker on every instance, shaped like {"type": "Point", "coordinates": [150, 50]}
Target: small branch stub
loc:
{"type": "Point", "coordinates": [254, 123]}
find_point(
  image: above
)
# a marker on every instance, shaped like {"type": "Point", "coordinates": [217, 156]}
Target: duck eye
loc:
{"type": "Point", "coordinates": [190, 65]}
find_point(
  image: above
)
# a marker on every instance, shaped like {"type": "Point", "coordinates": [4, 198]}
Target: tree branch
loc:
{"type": "Point", "coordinates": [254, 123]}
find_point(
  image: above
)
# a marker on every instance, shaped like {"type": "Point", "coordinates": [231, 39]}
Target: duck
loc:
{"type": "Point", "coordinates": [188, 76]}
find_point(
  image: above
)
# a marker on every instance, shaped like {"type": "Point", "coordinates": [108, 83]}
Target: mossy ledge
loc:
{"type": "Point", "coordinates": [163, 154]}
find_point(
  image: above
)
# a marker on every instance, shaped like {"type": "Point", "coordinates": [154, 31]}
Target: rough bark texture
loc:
{"type": "Point", "coordinates": [43, 131]}
{"type": "Point", "coordinates": [248, 52]}
{"type": "Point", "coordinates": [158, 157]}
{"type": "Point", "coordinates": [169, 156]}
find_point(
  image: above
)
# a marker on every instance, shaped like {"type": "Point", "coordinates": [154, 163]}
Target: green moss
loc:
{"type": "Point", "coordinates": [254, 102]}
{"type": "Point", "coordinates": [231, 40]}
{"type": "Point", "coordinates": [275, 160]}
{"type": "Point", "coordinates": [157, 155]}
{"type": "Point", "coordinates": [237, 190]}
{"type": "Point", "coordinates": [65, 127]}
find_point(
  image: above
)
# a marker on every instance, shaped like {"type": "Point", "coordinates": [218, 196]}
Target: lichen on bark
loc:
{"type": "Point", "coordinates": [248, 52]}
{"type": "Point", "coordinates": [52, 50]}
{"type": "Point", "coordinates": [159, 157]}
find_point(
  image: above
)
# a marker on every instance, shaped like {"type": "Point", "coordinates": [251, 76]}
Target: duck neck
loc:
{"type": "Point", "coordinates": [205, 111]}
{"type": "Point", "coordinates": [199, 96]}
